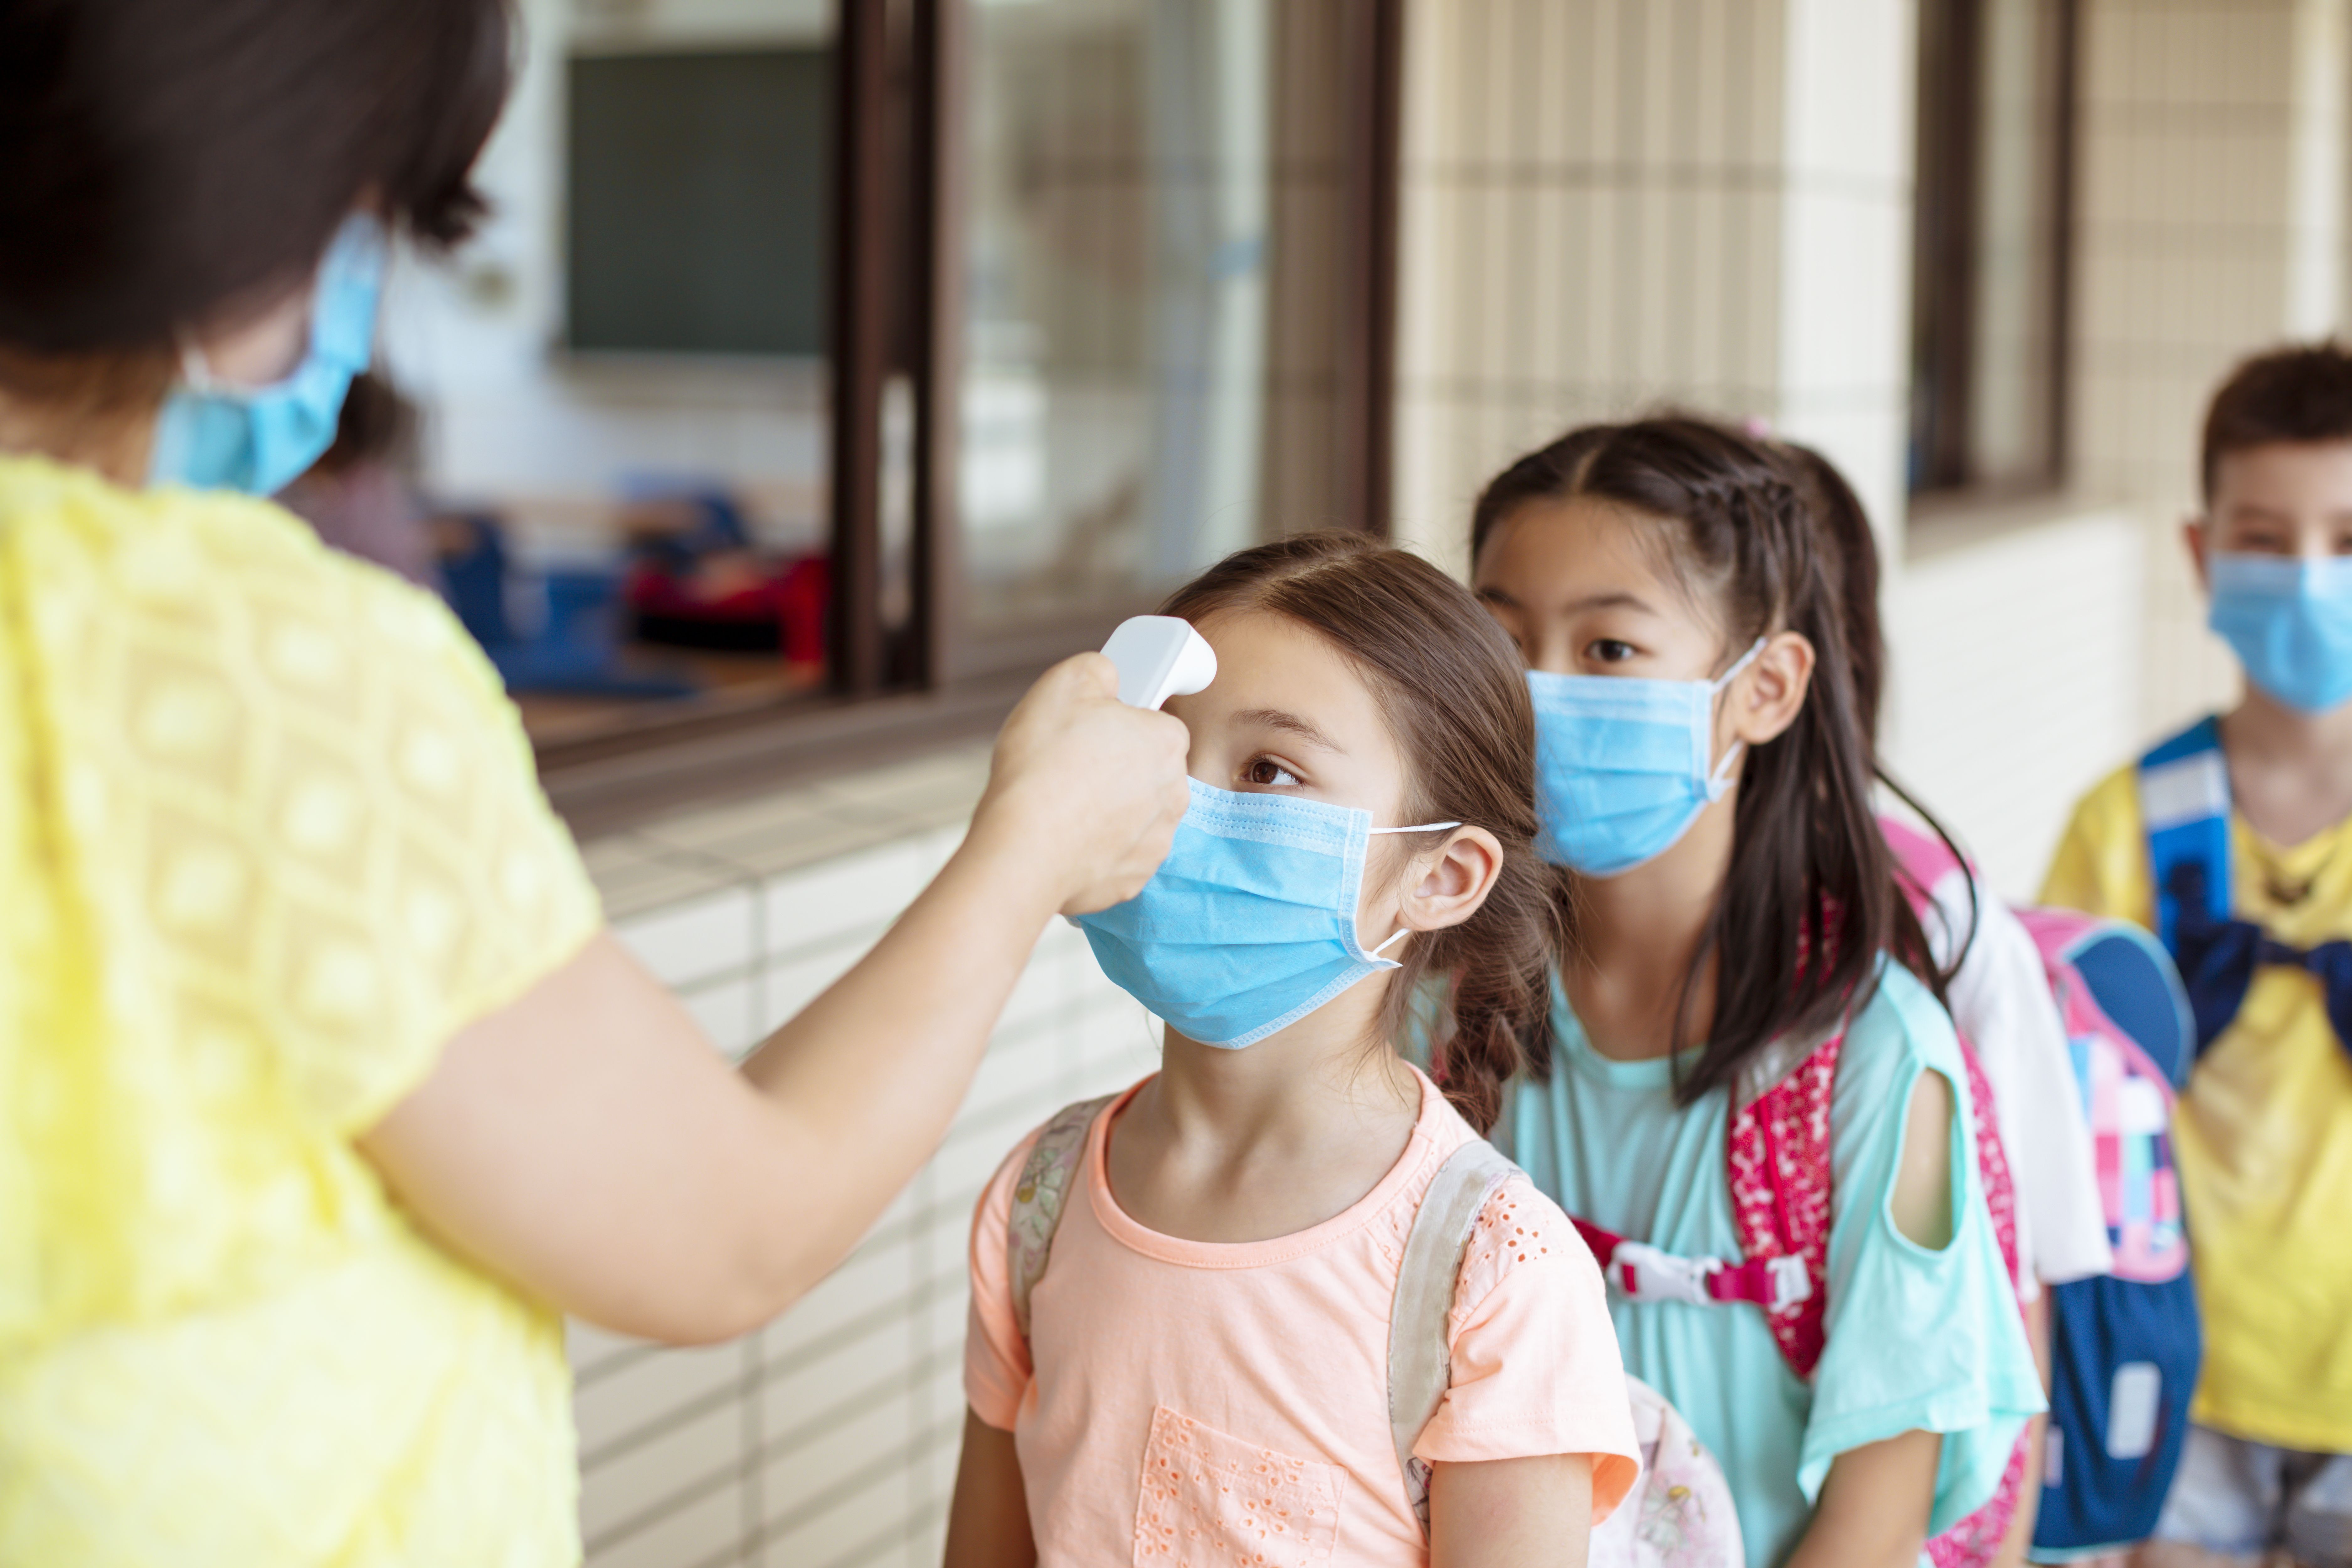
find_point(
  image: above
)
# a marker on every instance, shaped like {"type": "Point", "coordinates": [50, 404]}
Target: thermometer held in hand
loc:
{"type": "Point", "coordinates": [1160, 656]}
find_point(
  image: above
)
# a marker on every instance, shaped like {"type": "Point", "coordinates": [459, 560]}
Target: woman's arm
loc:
{"type": "Point", "coordinates": [988, 1522]}
{"type": "Point", "coordinates": [1873, 1506]}
{"type": "Point", "coordinates": [587, 1144]}
{"type": "Point", "coordinates": [1504, 1513]}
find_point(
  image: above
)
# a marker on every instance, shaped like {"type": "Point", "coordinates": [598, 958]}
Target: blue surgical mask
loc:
{"type": "Point", "coordinates": [258, 439]}
{"type": "Point", "coordinates": [2289, 621]}
{"type": "Point", "coordinates": [1623, 767]}
{"type": "Point", "coordinates": [1250, 923]}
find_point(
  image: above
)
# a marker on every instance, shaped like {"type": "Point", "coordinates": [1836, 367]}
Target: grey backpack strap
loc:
{"type": "Point", "coordinates": [1500, 1134]}
{"type": "Point", "coordinates": [1038, 1196]}
{"type": "Point", "coordinates": [1421, 1359]}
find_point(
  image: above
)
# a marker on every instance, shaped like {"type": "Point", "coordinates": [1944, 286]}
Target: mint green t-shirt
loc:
{"type": "Point", "coordinates": [1917, 1340]}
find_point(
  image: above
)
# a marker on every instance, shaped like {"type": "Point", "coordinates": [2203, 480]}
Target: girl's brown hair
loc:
{"type": "Point", "coordinates": [1450, 684]}
{"type": "Point", "coordinates": [1811, 900]}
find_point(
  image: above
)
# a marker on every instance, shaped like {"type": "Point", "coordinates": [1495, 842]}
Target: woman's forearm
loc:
{"type": "Point", "coordinates": [915, 1015]}
{"type": "Point", "coordinates": [587, 1144]}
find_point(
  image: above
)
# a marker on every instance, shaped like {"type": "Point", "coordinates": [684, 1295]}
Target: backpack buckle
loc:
{"type": "Point", "coordinates": [1647, 1273]}
{"type": "Point", "coordinates": [1790, 1283]}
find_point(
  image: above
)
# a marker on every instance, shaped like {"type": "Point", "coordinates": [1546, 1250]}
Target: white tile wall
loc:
{"type": "Point", "coordinates": [2016, 663]}
{"type": "Point", "coordinates": [828, 1438]}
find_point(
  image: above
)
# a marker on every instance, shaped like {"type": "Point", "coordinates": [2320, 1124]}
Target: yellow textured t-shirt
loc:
{"type": "Point", "coordinates": [2264, 1134]}
{"type": "Point", "coordinates": [269, 834]}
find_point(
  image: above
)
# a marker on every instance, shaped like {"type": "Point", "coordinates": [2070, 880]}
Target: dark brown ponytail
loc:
{"type": "Point", "coordinates": [1455, 696]}
{"type": "Point", "coordinates": [1853, 552]}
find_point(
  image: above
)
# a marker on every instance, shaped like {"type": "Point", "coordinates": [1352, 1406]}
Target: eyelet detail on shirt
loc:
{"type": "Point", "coordinates": [1212, 1500]}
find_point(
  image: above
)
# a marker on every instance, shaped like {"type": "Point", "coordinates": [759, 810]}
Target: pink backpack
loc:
{"type": "Point", "coordinates": [1777, 1149]}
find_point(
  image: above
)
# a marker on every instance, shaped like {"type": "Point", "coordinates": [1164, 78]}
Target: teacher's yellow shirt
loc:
{"type": "Point", "coordinates": [269, 835]}
{"type": "Point", "coordinates": [2265, 1132]}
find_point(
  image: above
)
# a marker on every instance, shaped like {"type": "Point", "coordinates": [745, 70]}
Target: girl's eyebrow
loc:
{"type": "Point", "coordinates": [1616, 600]}
{"type": "Point", "coordinates": [1275, 718]}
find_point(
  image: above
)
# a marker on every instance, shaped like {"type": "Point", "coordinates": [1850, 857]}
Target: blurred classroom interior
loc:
{"type": "Point", "coordinates": [827, 369]}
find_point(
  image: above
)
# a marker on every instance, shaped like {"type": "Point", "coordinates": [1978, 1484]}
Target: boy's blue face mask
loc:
{"type": "Point", "coordinates": [1250, 923]}
{"type": "Point", "coordinates": [259, 439]}
{"type": "Point", "coordinates": [2290, 623]}
{"type": "Point", "coordinates": [1624, 766]}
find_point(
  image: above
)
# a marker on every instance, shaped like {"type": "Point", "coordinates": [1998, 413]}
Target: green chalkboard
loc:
{"type": "Point", "coordinates": [696, 202]}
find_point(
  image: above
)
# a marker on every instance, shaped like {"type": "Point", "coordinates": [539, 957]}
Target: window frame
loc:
{"type": "Point", "coordinates": [896, 276]}
{"type": "Point", "coordinates": [1947, 223]}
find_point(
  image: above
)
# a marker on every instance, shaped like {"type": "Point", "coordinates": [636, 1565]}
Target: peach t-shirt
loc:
{"type": "Point", "coordinates": [1201, 1403]}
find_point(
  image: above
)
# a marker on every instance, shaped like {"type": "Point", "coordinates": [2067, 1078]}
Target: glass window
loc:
{"type": "Point", "coordinates": [1989, 263]}
{"type": "Point", "coordinates": [1155, 196]}
{"type": "Point", "coordinates": [623, 380]}
{"type": "Point", "coordinates": [818, 351]}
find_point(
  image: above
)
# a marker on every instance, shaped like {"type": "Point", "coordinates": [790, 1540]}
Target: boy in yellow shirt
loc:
{"type": "Point", "coordinates": [2233, 841]}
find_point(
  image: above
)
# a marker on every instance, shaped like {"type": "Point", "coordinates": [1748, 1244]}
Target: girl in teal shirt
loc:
{"type": "Point", "coordinates": [1704, 781]}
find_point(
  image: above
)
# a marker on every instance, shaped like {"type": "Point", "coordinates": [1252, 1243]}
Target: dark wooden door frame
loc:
{"type": "Point", "coordinates": [900, 210]}
{"type": "Point", "coordinates": [896, 280]}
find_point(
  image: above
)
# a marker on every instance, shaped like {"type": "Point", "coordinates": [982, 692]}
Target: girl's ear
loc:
{"type": "Point", "coordinates": [1769, 693]}
{"type": "Point", "coordinates": [1446, 886]}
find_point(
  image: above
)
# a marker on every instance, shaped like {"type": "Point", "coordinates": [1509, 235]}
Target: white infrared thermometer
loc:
{"type": "Point", "coordinates": [1160, 656]}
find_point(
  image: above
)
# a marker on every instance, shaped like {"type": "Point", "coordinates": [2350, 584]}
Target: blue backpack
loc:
{"type": "Point", "coordinates": [2125, 1345]}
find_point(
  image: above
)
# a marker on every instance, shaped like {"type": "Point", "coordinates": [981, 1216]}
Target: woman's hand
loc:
{"type": "Point", "coordinates": [1090, 786]}
{"type": "Point", "coordinates": [1509, 1513]}
{"type": "Point", "coordinates": [587, 1143]}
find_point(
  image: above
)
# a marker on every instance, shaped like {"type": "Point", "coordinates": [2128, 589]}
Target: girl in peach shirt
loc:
{"type": "Point", "coordinates": [1203, 1372]}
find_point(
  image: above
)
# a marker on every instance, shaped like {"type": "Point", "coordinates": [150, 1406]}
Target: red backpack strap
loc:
{"type": "Point", "coordinates": [1976, 1540]}
{"type": "Point", "coordinates": [1992, 1161]}
{"type": "Point", "coordinates": [1777, 1151]}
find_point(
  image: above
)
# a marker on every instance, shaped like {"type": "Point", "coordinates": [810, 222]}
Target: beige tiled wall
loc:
{"type": "Point", "coordinates": [2212, 170]}
{"type": "Point", "coordinates": [827, 1439]}
{"type": "Point", "coordinates": [1611, 204]}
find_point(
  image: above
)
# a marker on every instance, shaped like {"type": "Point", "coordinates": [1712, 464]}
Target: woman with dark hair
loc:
{"type": "Point", "coordinates": [322, 1088]}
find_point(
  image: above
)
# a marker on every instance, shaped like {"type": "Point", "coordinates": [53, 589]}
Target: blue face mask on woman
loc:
{"type": "Point", "coordinates": [1623, 767]}
{"type": "Point", "coordinates": [2290, 623]}
{"type": "Point", "coordinates": [216, 435]}
{"type": "Point", "coordinates": [1250, 923]}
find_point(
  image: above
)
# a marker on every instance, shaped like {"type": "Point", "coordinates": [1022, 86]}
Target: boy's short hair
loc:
{"type": "Point", "coordinates": [2298, 393]}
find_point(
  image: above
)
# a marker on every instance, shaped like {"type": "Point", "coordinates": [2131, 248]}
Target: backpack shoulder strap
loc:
{"type": "Point", "coordinates": [1038, 1198]}
{"type": "Point", "coordinates": [2184, 803]}
{"type": "Point", "coordinates": [1777, 1156]}
{"type": "Point", "coordinates": [1420, 1356]}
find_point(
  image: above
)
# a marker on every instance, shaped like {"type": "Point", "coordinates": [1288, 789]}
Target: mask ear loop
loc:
{"type": "Point", "coordinates": [1718, 778]}
{"type": "Point", "coordinates": [1403, 932]}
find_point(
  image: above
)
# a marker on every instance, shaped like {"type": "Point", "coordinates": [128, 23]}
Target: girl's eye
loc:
{"type": "Point", "coordinates": [1608, 650]}
{"type": "Point", "coordinates": [1267, 772]}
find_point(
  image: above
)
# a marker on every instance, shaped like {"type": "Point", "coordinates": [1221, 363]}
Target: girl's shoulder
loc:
{"type": "Point", "coordinates": [1901, 1029]}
